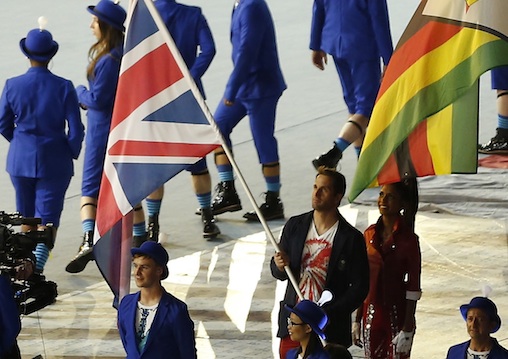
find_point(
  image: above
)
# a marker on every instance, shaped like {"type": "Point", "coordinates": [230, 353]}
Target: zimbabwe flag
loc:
{"type": "Point", "coordinates": [425, 121]}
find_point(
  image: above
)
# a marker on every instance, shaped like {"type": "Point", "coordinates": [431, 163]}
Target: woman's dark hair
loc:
{"type": "Point", "coordinates": [314, 343]}
{"type": "Point", "coordinates": [110, 39]}
{"type": "Point", "coordinates": [408, 191]}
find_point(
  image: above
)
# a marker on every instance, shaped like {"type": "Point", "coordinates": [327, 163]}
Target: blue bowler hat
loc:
{"type": "Point", "coordinates": [110, 12]}
{"type": "Point", "coordinates": [39, 44]}
{"type": "Point", "coordinates": [311, 314]}
{"type": "Point", "coordinates": [155, 251]}
{"type": "Point", "coordinates": [487, 306]}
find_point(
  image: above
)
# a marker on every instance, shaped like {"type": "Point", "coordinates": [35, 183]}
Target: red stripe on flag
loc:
{"type": "Point", "coordinates": [390, 172]}
{"type": "Point", "coordinates": [147, 79]}
{"type": "Point", "coordinates": [148, 148]}
{"type": "Point", "coordinates": [419, 151]}
{"type": "Point", "coordinates": [422, 42]}
{"type": "Point", "coordinates": [107, 200]}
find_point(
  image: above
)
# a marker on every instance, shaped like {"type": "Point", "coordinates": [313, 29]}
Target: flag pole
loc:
{"type": "Point", "coordinates": [262, 219]}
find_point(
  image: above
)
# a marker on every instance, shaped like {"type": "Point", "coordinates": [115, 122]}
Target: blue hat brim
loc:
{"type": "Point", "coordinates": [302, 316]}
{"type": "Point", "coordinates": [103, 17]}
{"type": "Point", "coordinates": [38, 57]}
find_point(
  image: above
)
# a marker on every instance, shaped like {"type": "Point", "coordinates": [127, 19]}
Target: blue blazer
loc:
{"type": "Point", "coordinates": [459, 351]}
{"type": "Point", "coordinates": [352, 29]}
{"type": "Point", "coordinates": [9, 316]}
{"type": "Point", "coordinates": [100, 98]}
{"type": "Point", "coordinates": [171, 335]}
{"type": "Point", "coordinates": [35, 109]}
{"type": "Point", "coordinates": [318, 354]}
{"type": "Point", "coordinates": [256, 73]}
{"type": "Point", "coordinates": [190, 32]}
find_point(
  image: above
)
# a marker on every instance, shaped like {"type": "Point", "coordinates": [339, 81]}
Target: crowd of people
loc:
{"type": "Point", "coordinates": [374, 276]}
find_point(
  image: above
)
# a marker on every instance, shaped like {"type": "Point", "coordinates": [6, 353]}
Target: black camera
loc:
{"type": "Point", "coordinates": [16, 251]}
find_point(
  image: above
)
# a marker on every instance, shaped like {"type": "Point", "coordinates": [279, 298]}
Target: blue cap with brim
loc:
{"type": "Point", "coordinates": [155, 251]}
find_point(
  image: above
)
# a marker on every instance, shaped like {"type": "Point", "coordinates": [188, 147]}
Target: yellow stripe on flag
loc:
{"type": "Point", "coordinates": [439, 133]}
{"type": "Point", "coordinates": [428, 69]}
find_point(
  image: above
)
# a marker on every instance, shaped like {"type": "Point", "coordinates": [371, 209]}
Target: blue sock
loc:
{"type": "Point", "coordinates": [153, 206]}
{"type": "Point", "coordinates": [225, 172]}
{"type": "Point", "coordinates": [88, 225]}
{"type": "Point", "coordinates": [342, 144]}
{"type": "Point", "coordinates": [204, 199]}
{"type": "Point", "coordinates": [358, 150]}
{"type": "Point", "coordinates": [41, 256]}
{"type": "Point", "coordinates": [273, 183]}
{"type": "Point", "coordinates": [139, 229]}
{"type": "Point", "coordinates": [502, 122]}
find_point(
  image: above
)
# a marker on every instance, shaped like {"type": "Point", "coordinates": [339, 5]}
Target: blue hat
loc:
{"type": "Point", "coordinates": [110, 12]}
{"type": "Point", "coordinates": [487, 306]}
{"type": "Point", "coordinates": [311, 314]}
{"type": "Point", "coordinates": [39, 45]}
{"type": "Point", "coordinates": [155, 251]}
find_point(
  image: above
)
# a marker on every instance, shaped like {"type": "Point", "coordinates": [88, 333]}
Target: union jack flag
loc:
{"type": "Point", "coordinates": [160, 126]}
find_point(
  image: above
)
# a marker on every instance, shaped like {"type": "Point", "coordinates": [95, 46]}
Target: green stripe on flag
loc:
{"type": "Point", "coordinates": [465, 132]}
{"type": "Point", "coordinates": [425, 103]}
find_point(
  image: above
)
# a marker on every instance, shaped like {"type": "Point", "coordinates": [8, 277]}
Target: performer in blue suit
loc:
{"type": "Point", "coordinates": [481, 320]}
{"type": "Point", "coordinates": [499, 143]}
{"type": "Point", "coordinates": [253, 89]}
{"type": "Point", "coordinates": [153, 323]}
{"type": "Point", "coordinates": [102, 73]}
{"type": "Point", "coordinates": [39, 116]}
{"type": "Point", "coordinates": [193, 38]}
{"type": "Point", "coordinates": [356, 33]}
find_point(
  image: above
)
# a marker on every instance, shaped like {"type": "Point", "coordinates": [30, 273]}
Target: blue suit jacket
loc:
{"type": "Point", "coordinates": [35, 109]}
{"type": "Point", "coordinates": [171, 335]}
{"type": "Point", "coordinates": [190, 32]}
{"type": "Point", "coordinates": [318, 354]}
{"type": "Point", "coordinates": [256, 73]}
{"type": "Point", "coordinates": [352, 29]}
{"type": "Point", "coordinates": [459, 351]}
{"type": "Point", "coordinates": [9, 318]}
{"type": "Point", "coordinates": [100, 98]}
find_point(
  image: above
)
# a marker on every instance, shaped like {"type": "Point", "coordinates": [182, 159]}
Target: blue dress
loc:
{"type": "Point", "coordinates": [98, 100]}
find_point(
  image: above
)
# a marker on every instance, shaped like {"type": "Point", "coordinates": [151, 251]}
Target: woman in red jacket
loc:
{"type": "Point", "coordinates": [388, 313]}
